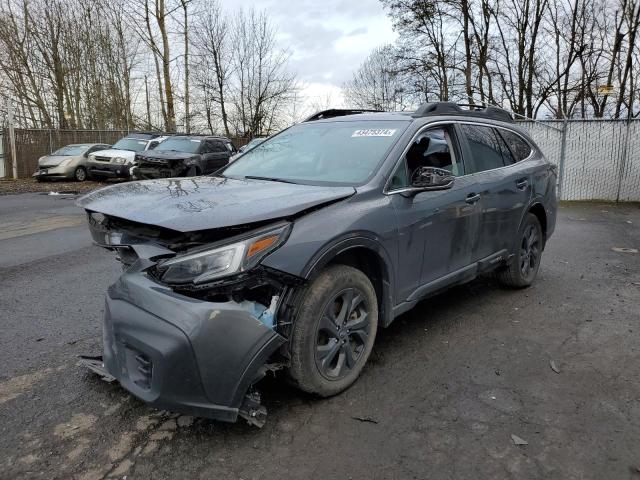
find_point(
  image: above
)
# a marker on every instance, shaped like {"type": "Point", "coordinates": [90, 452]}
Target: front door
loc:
{"type": "Point", "coordinates": [436, 228]}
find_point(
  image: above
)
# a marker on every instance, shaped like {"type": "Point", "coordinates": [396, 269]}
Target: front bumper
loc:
{"type": "Point", "coordinates": [54, 172]}
{"type": "Point", "coordinates": [146, 171]}
{"type": "Point", "coordinates": [183, 354]}
{"type": "Point", "coordinates": [106, 169]}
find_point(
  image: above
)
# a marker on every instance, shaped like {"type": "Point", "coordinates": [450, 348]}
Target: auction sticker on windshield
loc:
{"type": "Point", "coordinates": [374, 132]}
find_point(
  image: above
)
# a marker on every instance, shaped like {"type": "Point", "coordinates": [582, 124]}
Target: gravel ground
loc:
{"type": "Point", "coordinates": [451, 389]}
{"type": "Point", "coordinates": [29, 185]}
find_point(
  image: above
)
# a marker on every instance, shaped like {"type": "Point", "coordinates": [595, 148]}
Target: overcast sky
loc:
{"type": "Point", "coordinates": [328, 39]}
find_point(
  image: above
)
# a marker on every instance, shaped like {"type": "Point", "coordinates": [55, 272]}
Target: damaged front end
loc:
{"type": "Point", "coordinates": [194, 321]}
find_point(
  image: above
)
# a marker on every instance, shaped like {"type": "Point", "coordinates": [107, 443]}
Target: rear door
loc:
{"type": "Point", "coordinates": [436, 228]}
{"type": "Point", "coordinates": [504, 187]}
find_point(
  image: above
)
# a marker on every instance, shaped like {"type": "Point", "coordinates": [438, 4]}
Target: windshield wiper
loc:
{"type": "Point", "coordinates": [270, 179]}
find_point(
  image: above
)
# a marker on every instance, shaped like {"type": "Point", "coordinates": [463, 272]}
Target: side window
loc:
{"type": "Point", "coordinates": [484, 146]}
{"type": "Point", "coordinates": [153, 145]}
{"type": "Point", "coordinates": [205, 147]}
{"type": "Point", "coordinates": [432, 148]}
{"type": "Point", "coordinates": [218, 147]}
{"type": "Point", "coordinates": [507, 157]}
{"type": "Point", "coordinates": [230, 147]}
{"type": "Point", "coordinates": [517, 144]}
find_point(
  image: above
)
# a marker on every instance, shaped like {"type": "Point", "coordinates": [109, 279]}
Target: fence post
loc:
{"type": "Point", "coordinates": [50, 141]}
{"type": "Point", "coordinates": [563, 150]}
{"type": "Point", "coordinates": [12, 139]}
{"type": "Point", "coordinates": [623, 160]}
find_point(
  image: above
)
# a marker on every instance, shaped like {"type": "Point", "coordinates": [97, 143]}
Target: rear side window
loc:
{"type": "Point", "coordinates": [218, 147]}
{"type": "Point", "coordinates": [519, 147]}
{"type": "Point", "coordinates": [507, 157]}
{"type": "Point", "coordinates": [485, 147]}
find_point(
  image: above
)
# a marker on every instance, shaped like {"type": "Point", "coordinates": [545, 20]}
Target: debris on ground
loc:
{"type": "Point", "coordinates": [553, 366]}
{"type": "Point", "coordinates": [365, 419]}
{"type": "Point", "coordinates": [30, 185]}
{"type": "Point", "coordinates": [624, 250]}
{"type": "Point", "coordinates": [518, 441]}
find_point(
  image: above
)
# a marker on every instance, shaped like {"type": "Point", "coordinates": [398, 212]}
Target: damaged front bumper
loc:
{"type": "Point", "coordinates": [185, 354]}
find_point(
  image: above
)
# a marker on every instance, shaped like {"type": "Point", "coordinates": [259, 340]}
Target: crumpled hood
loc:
{"type": "Point", "coordinates": [202, 203]}
{"type": "Point", "coordinates": [113, 152]}
{"type": "Point", "coordinates": [166, 155]}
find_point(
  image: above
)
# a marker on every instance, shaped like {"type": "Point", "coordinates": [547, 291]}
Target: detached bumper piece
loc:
{"type": "Point", "coordinates": [182, 354]}
{"type": "Point", "coordinates": [96, 365]}
{"type": "Point", "coordinates": [108, 170]}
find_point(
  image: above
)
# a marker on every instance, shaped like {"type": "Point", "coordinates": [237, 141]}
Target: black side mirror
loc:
{"type": "Point", "coordinates": [431, 178]}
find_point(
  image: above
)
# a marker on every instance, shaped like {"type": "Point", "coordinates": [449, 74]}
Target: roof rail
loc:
{"type": "Point", "coordinates": [450, 108]}
{"type": "Point", "coordinates": [337, 112]}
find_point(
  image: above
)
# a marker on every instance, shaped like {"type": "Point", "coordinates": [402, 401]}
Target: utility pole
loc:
{"type": "Point", "coordinates": [12, 138]}
{"type": "Point", "coordinates": [146, 93]}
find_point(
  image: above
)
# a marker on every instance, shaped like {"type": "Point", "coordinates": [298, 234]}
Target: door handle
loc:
{"type": "Point", "coordinates": [522, 183]}
{"type": "Point", "coordinates": [472, 198]}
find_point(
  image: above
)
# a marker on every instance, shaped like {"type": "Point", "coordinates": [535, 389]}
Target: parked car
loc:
{"type": "Point", "coordinates": [245, 148]}
{"type": "Point", "coordinates": [68, 162]}
{"type": "Point", "coordinates": [293, 256]}
{"type": "Point", "coordinates": [118, 160]}
{"type": "Point", "coordinates": [183, 156]}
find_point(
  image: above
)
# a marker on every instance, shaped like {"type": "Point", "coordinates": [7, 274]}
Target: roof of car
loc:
{"type": "Point", "coordinates": [448, 109]}
{"type": "Point", "coordinates": [198, 136]}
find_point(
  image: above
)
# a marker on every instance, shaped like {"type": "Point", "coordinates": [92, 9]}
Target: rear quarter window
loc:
{"type": "Point", "coordinates": [518, 145]}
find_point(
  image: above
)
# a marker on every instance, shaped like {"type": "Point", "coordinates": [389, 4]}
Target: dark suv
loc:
{"type": "Point", "coordinates": [293, 256]}
{"type": "Point", "coordinates": [183, 156]}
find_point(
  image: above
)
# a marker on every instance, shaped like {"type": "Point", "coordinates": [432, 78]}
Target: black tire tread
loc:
{"type": "Point", "coordinates": [305, 324]}
{"type": "Point", "coordinates": [510, 275]}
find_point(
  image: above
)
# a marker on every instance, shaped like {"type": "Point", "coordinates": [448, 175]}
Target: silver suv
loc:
{"type": "Point", "coordinates": [117, 161]}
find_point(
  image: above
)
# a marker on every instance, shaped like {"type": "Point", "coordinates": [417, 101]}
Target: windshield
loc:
{"type": "Point", "coordinates": [254, 142]}
{"type": "Point", "coordinates": [344, 153]}
{"type": "Point", "coordinates": [132, 144]}
{"type": "Point", "coordinates": [187, 145]}
{"type": "Point", "coordinates": [70, 150]}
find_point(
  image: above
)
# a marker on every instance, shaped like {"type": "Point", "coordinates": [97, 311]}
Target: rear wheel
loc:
{"type": "Point", "coordinates": [80, 174]}
{"type": "Point", "coordinates": [523, 269]}
{"type": "Point", "coordinates": [334, 331]}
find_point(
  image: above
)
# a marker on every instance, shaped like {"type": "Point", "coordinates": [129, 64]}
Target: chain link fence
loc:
{"type": "Point", "coordinates": [31, 144]}
{"type": "Point", "coordinates": [597, 159]}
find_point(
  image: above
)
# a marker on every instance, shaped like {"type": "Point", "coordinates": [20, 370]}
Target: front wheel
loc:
{"type": "Point", "coordinates": [80, 174]}
{"type": "Point", "coordinates": [334, 331]}
{"type": "Point", "coordinates": [523, 269]}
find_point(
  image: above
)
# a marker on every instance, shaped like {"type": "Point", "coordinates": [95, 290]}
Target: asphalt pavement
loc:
{"type": "Point", "coordinates": [452, 390]}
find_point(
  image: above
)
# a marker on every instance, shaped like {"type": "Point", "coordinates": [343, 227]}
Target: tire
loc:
{"type": "Point", "coordinates": [327, 354]}
{"type": "Point", "coordinates": [192, 172]}
{"type": "Point", "coordinates": [523, 269]}
{"type": "Point", "coordinates": [80, 174]}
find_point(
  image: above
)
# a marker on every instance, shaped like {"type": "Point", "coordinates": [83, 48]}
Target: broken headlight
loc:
{"type": "Point", "coordinates": [224, 260]}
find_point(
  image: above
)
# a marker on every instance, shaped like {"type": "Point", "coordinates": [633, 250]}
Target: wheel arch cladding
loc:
{"type": "Point", "coordinates": [538, 210]}
{"type": "Point", "coordinates": [369, 261]}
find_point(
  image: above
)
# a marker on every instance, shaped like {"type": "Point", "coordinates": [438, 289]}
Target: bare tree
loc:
{"type": "Point", "coordinates": [378, 83]}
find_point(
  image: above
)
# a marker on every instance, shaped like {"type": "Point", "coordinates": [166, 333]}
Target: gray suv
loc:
{"type": "Point", "coordinates": [291, 258]}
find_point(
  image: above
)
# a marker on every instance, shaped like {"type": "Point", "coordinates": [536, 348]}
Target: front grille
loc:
{"type": "Point", "coordinates": [44, 167]}
{"type": "Point", "coordinates": [102, 159]}
{"type": "Point", "coordinates": [153, 160]}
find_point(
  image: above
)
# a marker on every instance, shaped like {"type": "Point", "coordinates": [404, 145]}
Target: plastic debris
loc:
{"type": "Point", "coordinates": [365, 419]}
{"type": "Point", "coordinates": [624, 250]}
{"type": "Point", "coordinates": [553, 366]}
{"type": "Point", "coordinates": [518, 441]}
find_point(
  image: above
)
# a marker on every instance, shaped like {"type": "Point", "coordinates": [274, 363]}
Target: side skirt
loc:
{"type": "Point", "coordinates": [463, 275]}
